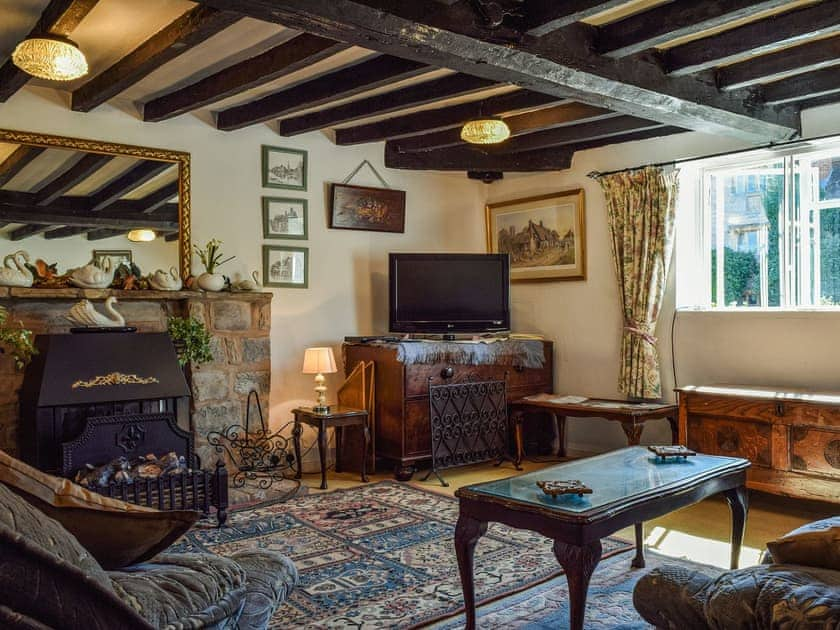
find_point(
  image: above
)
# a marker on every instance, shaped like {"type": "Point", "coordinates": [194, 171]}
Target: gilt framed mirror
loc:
{"type": "Point", "coordinates": [63, 197]}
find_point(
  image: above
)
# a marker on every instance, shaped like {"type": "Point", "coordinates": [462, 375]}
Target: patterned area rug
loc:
{"type": "Point", "coordinates": [381, 556]}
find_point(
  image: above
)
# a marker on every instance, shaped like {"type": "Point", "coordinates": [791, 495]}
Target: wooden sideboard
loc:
{"type": "Point", "coordinates": [792, 437]}
{"type": "Point", "coordinates": [402, 396]}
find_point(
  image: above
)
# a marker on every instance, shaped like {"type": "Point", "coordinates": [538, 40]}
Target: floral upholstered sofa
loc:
{"type": "Point", "coordinates": [48, 580]}
{"type": "Point", "coordinates": [797, 586]}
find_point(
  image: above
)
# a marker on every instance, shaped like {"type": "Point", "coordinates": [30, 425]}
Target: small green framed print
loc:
{"type": "Point", "coordinates": [285, 218]}
{"type": "Point", "coordinates": [285, 266]}
{"type": "Point", "coordinates": [283, 168]}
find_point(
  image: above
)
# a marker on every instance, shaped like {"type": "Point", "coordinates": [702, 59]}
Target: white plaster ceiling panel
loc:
{"type": "Point", "coordinates": [6, 149]}
{"type": "Point", "coordinates": [112, 169]}
{"type": "Point", "coordinates": [167, 177]}
{"type": "Point", "coordinates": [44, 168]}
{"type": "Point", "coordinates": [17, 17]}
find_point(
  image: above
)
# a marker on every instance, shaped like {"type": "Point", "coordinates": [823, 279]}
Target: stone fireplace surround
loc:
{"type": "Point", "coordinates": [240, 325]}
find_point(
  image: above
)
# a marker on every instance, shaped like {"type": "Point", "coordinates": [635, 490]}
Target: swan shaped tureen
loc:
{"type": "Point", "coordinates": [248, 284]}
{"type": "Point", "coordinates": [90, 277]}
{"type": "Point", "coordinates": [166, 281]}
{"type": "Point", "coordinates": [14, 272]}
{"type": "Point", "coordinates": [83, 314]}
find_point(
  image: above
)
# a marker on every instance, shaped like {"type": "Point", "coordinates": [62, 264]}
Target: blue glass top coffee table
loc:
{"type": "Point", "coordinates": [630, 486]}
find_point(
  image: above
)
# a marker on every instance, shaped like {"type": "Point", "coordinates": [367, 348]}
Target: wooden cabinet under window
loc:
{"type": "Point", "coordinates": [792, 437]}
{"type": "Point", "coordinates": [403, 431]}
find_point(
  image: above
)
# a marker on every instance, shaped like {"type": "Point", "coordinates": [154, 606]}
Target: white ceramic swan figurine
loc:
{"type": "Point", "coordinates": [163, 281]}
{"type": "Point", "coordinates": [247, 284]}
{"type": "Point", "coordinates": [90, 277]}
{"type": "Point", "coordinates": [85, 315]}
{"type": "Point", "coordinates": [14, 273]}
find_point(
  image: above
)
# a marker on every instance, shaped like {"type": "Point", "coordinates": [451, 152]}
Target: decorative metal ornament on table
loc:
{"type": "Point", "coordinates": [664, 452]}
{"type": "Point", "coordinates": [258, 456]}
{"type": "Point", "coordinates": [90, 277]}
{"type": "Point", "coordinates": [162, 280]}
{"type": "Point", "coordinates": [558, 488]}
{"type": "Point", "coordinates": [87, 318]}
{"type": "Point", "coordinates": [15, 272]}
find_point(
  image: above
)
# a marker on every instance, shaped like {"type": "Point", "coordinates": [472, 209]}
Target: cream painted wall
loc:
{"type": "Point", "coordinates": [584, 318]}
{"type": "Point", "coordinates": [347, 292]}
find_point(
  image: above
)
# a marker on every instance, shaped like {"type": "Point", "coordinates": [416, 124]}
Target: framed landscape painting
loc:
{"type": "Point", "coordinates": [283, 168]}
{"type": "Point", "coordinates": [285, 267]}
{"type": "Point", "coordinates": [544, 236]}
{"type": "Point", "coordinates": [367, 208]}
{"type": "Point", "coordinates": [284, 218]}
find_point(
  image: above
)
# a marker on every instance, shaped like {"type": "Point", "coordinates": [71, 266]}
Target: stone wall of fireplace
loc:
{"type": "Point", "coordinates": [238, 322]}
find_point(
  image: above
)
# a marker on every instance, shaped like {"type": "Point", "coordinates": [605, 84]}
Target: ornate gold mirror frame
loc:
{"type": "Point", "coordinates": [180, 158]}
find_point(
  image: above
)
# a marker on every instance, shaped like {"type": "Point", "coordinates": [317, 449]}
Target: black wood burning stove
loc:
{"type": "Point", "coordinates": [88, 398]}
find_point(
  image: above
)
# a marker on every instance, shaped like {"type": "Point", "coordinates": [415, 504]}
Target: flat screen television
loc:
{"type": "Point", "coordinates": [449, 293]}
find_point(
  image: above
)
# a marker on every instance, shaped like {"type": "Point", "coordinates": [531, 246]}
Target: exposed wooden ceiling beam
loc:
{"type": "Point", "coordinates": [387, 102]}
{"type": "Point", "coordinates": [64, 232]}
{"type": "Point", "coordinates": [17, 161]}
{"type": "Point", "coordinates": [172, 236]}
{"type": "Point", "coordinates": [544, 16]}
{"type": "Point", "coordinates": [35, 215]}
{"type": "Point", "coordinates": [192, 28]}
{"type": "Point", "coordinates": [559, 64]}
{"type": "Point", "coordinates": [60, 17]}
{"type": "Point", "coordinates": [584, 132]}
{"type": "Point", "coordinates": [803, 87]}
{"type": "Point", "coordinates": [349, 81]}
{"type": "Point", "coordinates": [441, 118]}
{"type": "Point", "coordinates": [75, 175]}
{"type": "Point", "coordinates": [680, 18]}
{"type": "Point", "coordinates": [288, 57]}
{"type": "Point", "coordinates": [157, 199]}
{"type": "Point", "coordinates": [128, 181]}
{"type": "Point", "coordinates": [807, 57]}
{"type": "Point", "coordinates": [103, 233]}
{"type": "Point", "coordinates": [26, 231]}
{"type": "Point", "coordinates": [519, 124]}
{"type": "Point", "coordinates": [472, 159]}
{"type": "Point", "coordinates": [755, 38]}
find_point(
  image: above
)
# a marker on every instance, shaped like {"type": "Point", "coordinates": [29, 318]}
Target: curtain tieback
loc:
{"type": "Point", "coordinates": [640, 329]}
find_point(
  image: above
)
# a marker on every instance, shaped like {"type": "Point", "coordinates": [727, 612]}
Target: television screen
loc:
{"type": "Point", "coordinates": [439, 293]}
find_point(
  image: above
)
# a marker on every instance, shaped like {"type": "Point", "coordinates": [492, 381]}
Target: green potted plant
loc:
{"type": "Point", "coordinates": [16, 340]}
{"type": "Point", "coordinates": [191, 339]}
{"type": "Point", "coordinates": [211, 257]}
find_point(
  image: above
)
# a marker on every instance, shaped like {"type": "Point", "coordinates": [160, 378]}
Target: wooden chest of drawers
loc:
{"type": "Point", "coordinates": [792, 438]}
{"type": "Point", "coordinates": [402, 396]}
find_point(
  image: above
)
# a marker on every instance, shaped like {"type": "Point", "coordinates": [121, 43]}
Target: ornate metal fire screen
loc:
{"type": "Point", "coordinates": [469, 425]}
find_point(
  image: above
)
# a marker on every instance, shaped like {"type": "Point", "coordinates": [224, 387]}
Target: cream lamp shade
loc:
{"type": "Point", "coordinates": [50, 57]}
{"type": "Point", "coordinates": [485, 131]}
{"type": "Point", "coordinates": [141, 236]}
{"type": "Point", "coordinates": [319, 361]}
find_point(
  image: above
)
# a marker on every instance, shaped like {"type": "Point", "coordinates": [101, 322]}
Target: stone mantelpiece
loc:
{"type": "Point", "coordinates": [238, 322]}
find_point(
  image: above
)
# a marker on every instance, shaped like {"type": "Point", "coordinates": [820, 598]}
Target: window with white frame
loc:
{"type": "Point", "coordinates": [761, 229]}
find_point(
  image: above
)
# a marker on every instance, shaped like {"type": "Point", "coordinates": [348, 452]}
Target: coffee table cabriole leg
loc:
{"type": "Point", "coordinates": [738, 505]}
{"type": "Point", "coordinates": [639, 561]}
{"type": "Point", "coordinates": [579, 562]}
{"type": "Point", "coordinates": [467, 532]}
{"type": "Point", "coordinates": [296, 432]}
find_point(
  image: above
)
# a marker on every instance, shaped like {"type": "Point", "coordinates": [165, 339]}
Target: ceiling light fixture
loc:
{"type": "Point", "coordinates": [485, 131]}
{"type": "Point", "coordinates": [50, 57]}
{"type": "Point", "coordinates": [142, 235]}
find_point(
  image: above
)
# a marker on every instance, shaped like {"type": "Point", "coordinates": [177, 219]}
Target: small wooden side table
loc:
{"type": "Point", "coordinates": [336, 418]}
{"type": "Point", "coordinates": [632, 416]}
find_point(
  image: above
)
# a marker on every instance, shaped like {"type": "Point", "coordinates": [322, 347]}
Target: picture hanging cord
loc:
{"type": "Point", "coordinates": [360, 167]}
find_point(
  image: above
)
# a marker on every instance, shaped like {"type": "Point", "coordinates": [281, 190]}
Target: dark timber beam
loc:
{"type": "Point", "coordinates": [441, 118]}
{"type": "Point", "coordinates": [585, 132]}
{"type": "Point", "coordinates": [755, 38]}
{"type": "Point", "coordinates": [17, 161]}
{"type": "Point", "coordinates": [101, 234]}
{"type": "Point", "coordinates": [172, 236]}
{"type": "Point", "coordinates": [192, 28]}
{"type": "Point", "coordinates": [157, 199]}
{"type": "Point", "coordinates": [673, 20]}
{"type": "Point", "coordinates": [288, 57]}
{"type": "Point", "coordinates": [529, 122]}
{"type": "Point", "coordinates": [34, 215]}
{"type": "Point", "coordinates": [349, 81]}
{"type": "Point", "coordinates": [559, 64]}
{"type": "Point", "coordinates": [26, 231]}
{"type": "Point", "coordinates": [411, 96]}
{"type": "Point", "coordinates": [128, 181]}
{"type": "Point", "coordinates": [60, 17]}
{"type": "Point", "coordinates": [544, 16]}
{"type": "Point", "coordinates": [817, 55]}
{"type": "Point", "coordinates": [803, 87]}
{"type": "Point", "coordinates": [76, 174]}
{"type": "Point", "coordinates": [64, 232]}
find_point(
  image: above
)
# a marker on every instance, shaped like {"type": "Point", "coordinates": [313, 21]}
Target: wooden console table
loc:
{"type": "Point", "coordinates": [792, 437]}
{"type": "Point", "coordinates": [631, 415]}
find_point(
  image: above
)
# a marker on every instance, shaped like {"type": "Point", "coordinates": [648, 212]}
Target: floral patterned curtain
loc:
{"type": "Point", "coordinates": [640, 209]}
